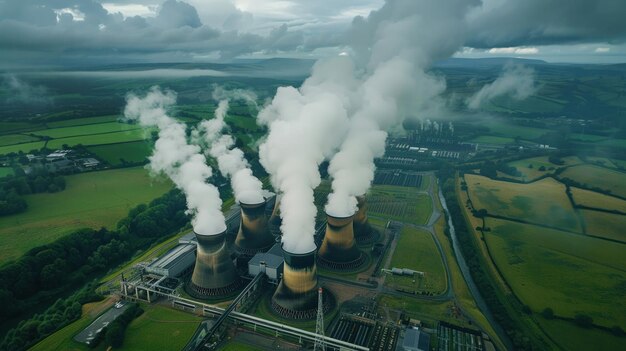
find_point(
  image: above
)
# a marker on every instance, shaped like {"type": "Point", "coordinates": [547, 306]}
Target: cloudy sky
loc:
{"type": "Point", "coordinates": [72, 32]}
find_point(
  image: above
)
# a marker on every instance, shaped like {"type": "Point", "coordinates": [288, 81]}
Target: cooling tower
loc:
{"type": "Point", "coordinates": [254, 235]}
{"type": "Point", "coordinates": [363, 231]}
{"type": "Point", "coordinates": [214, 273]}
{"type": "Point", "coordinates": [338, 250]}
{"type": "Point", "coordinates": [296, 295]}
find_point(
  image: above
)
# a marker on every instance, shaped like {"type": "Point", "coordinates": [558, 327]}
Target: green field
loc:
{"type": "Point", "coordinates": [489, 139]}
{"type": "Point", "coordinates": [88, 129]}
{"type": "Point", "coordinates": [595, 176]}
{"type": "Point", "coordinates": [5, 171]}
{"type": "Point", "coordinates": [160, 328]}
{"type": "Point", "coordinates": [529, 167]}
{"type": "Point", "coordinates": [26, 147]}
{"type": "Point", "coordinates": [11, 127]}
{"type": "Point", "coordinates": [606, 225]}
{"type": "Point", "coordinates": [572, 337]}
{"type": "Point", "coordinates": [92, 200]}
{"type": "Point", "coordinates": [99, 139]}
{"type": "Point", "coordinates": [526, 202]}
{"type": "Point", "coordinates": [593, 199]}
{"type": "Point", "coordinates": [132, 152]}
{"type": "Point", "coordinates": [399, 203]}
{"type": "Point", "coordinates": [83, 121]}
{"type": "Point", "coordinates": [416, 250]}
{"type": "Point", "coordinates": [572, 274]}
{"type": "Point", "coordinates": [12, 139]}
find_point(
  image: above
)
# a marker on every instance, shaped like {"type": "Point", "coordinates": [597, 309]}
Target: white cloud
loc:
{"type": "Point", "coordinates": [602, 50]}
{"type": "Point", "coordinates": [131, 10]}
{"type": "Point", "coordinates": [514, 50]}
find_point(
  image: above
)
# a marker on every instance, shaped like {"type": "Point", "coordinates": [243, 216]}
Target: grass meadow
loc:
{"type": "Point", "coordinates": [399, 203]}
{"type": "Point", "coordinates": [606, 225]}
{"type": "Point", "coordinates": [87, 129]}
{"type": "Point", "coordinates": [600, 177]}
{"type": "Point", "coordinates": [596, 200]}
{"type": "Point", "coordinates": [416, 250]}
{"type": "Point", "coordinates": [572, 274]}
{"type": "Point", "coordinates": [524, 201]}
{"type": "Point", "coordinates": [529, 167]}
{"type": "Point", "coordinates": [93, 200]}
{"type": "Point", "coordinates": [137, 151]}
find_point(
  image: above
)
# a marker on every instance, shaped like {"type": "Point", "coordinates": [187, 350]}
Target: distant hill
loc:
{"type": "Point", "coordinates": [488, 62]}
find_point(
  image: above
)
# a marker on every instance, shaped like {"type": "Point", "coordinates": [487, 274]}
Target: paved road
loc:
{"type": "Point", "coordinates": [96, 326]}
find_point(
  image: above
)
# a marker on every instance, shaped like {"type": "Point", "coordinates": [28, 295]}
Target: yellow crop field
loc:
{"type": "Point", "coordinates": [606, 225]}
{"type": "Point", "coordinates": [596, 200]}
{"type": "Point", "coordinates": [542, 202]}
{"type": "Point", "coordinates": [594, 176]}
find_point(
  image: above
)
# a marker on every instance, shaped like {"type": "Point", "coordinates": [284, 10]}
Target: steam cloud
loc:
{"type": "Point", "coordinates": [516, 80]}
{"type": "Point", "coordinates": [397, 43]}
{"type": "Point", "coordinates": [231, 160]}
{"type": "Point", "coordinates": [181, 161]}
{"type": "Point", "coordinates": [20, 91]}
{"type": "Point", "coordinates": [306, 126]}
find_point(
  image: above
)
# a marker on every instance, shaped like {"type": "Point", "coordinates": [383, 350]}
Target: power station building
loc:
{"type": "Point", "coordinates": [270, 262]}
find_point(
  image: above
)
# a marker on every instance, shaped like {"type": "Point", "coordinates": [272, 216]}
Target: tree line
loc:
{"type": "Point", "coordinates": [49, 271]}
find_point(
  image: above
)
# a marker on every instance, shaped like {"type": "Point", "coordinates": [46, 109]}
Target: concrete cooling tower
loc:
{"type": "Point", "coordinates": [296, 295]}
{"type": "Point", "coordinates": [214, 274]}
{"type": "Point", "coordinates": [254, 235]}
{"type": "Point", "coordinates": [338, 250]}
{"type": "Point", "coordinates": [363, 231]}
{"type": "Point", "coordinates": [275, 217]}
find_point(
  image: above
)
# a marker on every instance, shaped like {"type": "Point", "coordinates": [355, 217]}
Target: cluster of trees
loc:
{"type": "Point", "coordinates": [59, 314]}
{"type": "Point", "coordinates": [13, 187]}
{"type": "Point", "coordinates": [490, 169]}
{"type": "Point", "coordinates": [52, 270]}
{"type": "Point", "coordinates": [520, 340]}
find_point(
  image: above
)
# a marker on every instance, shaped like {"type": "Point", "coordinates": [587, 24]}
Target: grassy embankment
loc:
{"type": "Point", "coordinates": [93, 200]}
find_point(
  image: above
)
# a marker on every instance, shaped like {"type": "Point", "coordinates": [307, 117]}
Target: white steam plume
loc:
{"type": "Point", "coordinates": [180, 161]}
{"type": "Point", "coordinates": [397, 44]}
{"type": "Point", "coordinates": [516, 80]}
{"type": "Point", "coordinates": [230, 159]}
{"type": "Point", "coordinates": [306, 126]}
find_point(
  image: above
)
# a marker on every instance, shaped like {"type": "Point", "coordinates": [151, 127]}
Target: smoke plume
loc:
{"type": "Point", "coordinates": [306, 126]}
{"type": "Point", "coordinates": [181, 161]}
{"type": "Point", "coordinates": [397, 44]}
{"type": "Point", "coordinates": [230, 159]}
{"type": "Point", "coordinates": [516, 80]}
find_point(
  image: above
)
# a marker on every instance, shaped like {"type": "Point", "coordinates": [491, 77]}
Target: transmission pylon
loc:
{"type": "Point", "coordinates": [319, 326]}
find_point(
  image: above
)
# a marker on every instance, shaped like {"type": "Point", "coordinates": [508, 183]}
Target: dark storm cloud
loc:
{"type": "Point", "coordinates": [40, 31]}
{"type": "Point", "coordinates": [542, 22]}
{"type": "Point", "coordinates": [85, 28]}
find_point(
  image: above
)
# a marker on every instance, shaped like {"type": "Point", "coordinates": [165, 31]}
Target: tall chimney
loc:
{"type": "Point", "coordinates": [214, 273]}
{"type": "Point", "coordinates": [363, 231]}
{"type": "Point", "coordinates": [296, 295]}
{"type": "Point", "coordinates": [254, 235]}
{"type": "Point", "coordinates": [338, 250]}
